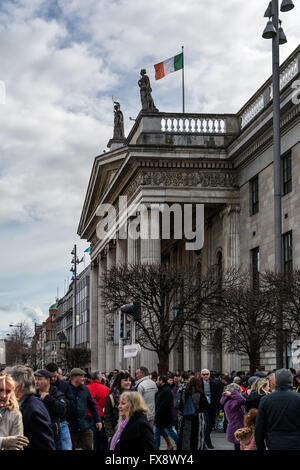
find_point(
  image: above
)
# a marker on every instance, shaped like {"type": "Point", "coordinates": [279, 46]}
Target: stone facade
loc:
{"type": "Point", "coordinates": [66, 321]}
{"type": "Point", "coordinates": [185, 159]}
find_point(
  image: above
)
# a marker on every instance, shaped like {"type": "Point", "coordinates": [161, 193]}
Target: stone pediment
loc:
{"type": "Point", "coordinates": [105, 178]}
{"type": "Point", "coordinates": [101, 177]}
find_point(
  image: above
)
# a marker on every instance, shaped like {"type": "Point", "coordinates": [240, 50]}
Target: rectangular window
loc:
{"type": "Point", "coordinates": [287, 173]}
{"type": "Point", "coordinates": [254, 203]}
{"type": "Point", "coordinates": [287, 239]}
{"type": "Point", "coordinates": [255, 267]}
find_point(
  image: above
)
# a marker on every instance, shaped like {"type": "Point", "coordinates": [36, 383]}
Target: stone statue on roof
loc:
{"type": "Point", "coordinates": [118, 122]}
{"type": "Point", "coordinates": [145, 91]}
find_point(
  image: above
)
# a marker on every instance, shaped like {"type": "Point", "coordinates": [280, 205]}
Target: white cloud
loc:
{"type": "Point", "coordinates": [14, 313]}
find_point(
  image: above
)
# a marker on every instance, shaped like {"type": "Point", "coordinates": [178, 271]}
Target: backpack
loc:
{"type": "Point", "coordinates": [112, 401]}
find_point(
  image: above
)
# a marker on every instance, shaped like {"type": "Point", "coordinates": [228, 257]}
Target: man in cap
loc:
{"type": "Point", "coordinates": [99, 393]}
{"type": "Point", "coordinates": [81, 434]}
{"type": "Point", "coordinates": [277, 422]}
{"type": "Point", "coordinates": [55, 402]}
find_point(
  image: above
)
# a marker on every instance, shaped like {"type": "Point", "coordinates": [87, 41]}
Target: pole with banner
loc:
{"type": "Point", "coordinates": [134, 310]}
{"type": "Point", "coordinates": [173, 64]}
{"type": "Point", "coordinates": [122, 337]}
{"type": "Point", "coordinates": [132, 360]}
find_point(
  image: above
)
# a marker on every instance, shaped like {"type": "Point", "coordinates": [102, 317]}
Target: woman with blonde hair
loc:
{"type": "Point", "coordinates": [11, 424]}
{"type": "Point", "coordinates": [259, 389]}
{"type": "Point", "coordinates": [134, 431]}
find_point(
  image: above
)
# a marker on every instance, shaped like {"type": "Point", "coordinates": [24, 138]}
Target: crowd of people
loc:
{"type": "Point", "coordinates": [46, 410]}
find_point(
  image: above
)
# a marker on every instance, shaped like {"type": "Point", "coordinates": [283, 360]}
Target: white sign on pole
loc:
{"type": "Point", "coordinates": [132, 350]}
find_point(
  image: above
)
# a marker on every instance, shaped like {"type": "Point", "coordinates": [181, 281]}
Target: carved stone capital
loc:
{"type": "Point", "coordinates": [229, 209]}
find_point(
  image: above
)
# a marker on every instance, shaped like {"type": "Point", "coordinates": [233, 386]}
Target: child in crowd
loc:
{"type": "Point", "coordinates": [246, 435]}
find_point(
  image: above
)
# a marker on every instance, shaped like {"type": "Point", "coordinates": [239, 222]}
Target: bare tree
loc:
{"type": "Point", "coordinates": [171, 298]}
{"type": "Point", "coordinates": [285, 290]}
{"type": "Point", "coordinates": [18, 345]}
{"type": "Point", "coordinates": [77, 357]}
{"type": "Point", "coordinates": [244, 314]}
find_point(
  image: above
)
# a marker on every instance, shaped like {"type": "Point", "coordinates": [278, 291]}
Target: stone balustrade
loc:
{"type": "Point", "coordinates": [183, 128]}
{"type": "Point", "coordinates": [289, 71]}
{"type": "Point", "coordinates": [252, 110]}
{"type": "Point", "coordinates": [189, 123]}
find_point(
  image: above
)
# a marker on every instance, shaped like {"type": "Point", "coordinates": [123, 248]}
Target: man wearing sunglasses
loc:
{"type": "Point", "coordinates": [211, 393]}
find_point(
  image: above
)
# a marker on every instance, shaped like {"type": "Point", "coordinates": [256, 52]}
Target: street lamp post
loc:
{"type": "Point", "coordinates": [275, 32]}
{"type": "Point", "coordinates": [73, 269]}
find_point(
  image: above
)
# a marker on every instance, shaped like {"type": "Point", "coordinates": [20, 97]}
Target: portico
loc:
{"type": "Point", "coordinates": [149, 172]}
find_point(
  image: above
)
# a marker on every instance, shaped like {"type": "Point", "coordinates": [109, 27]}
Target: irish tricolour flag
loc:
{"type": "Point", "coordinates": [168, 66]}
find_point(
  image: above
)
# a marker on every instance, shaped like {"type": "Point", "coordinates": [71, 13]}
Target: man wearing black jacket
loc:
{"type": "Point", "coordinates": [81, 434]}
{"type": "Point", "coordinates": [164, 420]}
{"type": "Point", "coordinates": [210, 390]}
{"type": "Point", "coordinates": [277, 422]}
{"type": "Point", "coordinates": [65, 442]}
{"type": "Point", "coordinates": [54, 401]}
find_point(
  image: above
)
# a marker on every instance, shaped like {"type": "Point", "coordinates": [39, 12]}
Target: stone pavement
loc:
{"type": "Point", "coordinates": [218, 439]}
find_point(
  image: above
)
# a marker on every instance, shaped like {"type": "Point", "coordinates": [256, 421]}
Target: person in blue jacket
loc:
{"type": "Point", "coordinates": [36, 419]}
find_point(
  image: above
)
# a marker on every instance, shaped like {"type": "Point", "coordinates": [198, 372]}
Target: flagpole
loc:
{"type": "Point", "coordinates": [183, 107]}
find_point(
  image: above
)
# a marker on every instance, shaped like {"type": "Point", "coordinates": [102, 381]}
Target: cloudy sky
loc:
{"type": "Point", "coordinates": [61, 63]}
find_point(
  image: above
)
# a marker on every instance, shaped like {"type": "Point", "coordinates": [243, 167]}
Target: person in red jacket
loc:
{"type": "Point", "coordinates": [99, 393]}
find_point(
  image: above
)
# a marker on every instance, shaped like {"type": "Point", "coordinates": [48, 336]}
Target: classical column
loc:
{"type": "Point", "coordinates": [111, 348]}
{"type": "Point", "coordinates": [121, 258]}
{"type": "Point", "coordinates": [121, 247]}
{"type": "Point", "coordinates": [231, 259]}
{"type": "Point", "coordinates": [234, 236]}
{"type": "Point", "coordinates": [187, 353]}
{"type": "Point", "coordinates": [150, 236]}
{"type": "Point", "coordinates": [94, 314]}
{"type": "Point", "coordinates": [150, 254]}
{"type": "Point", "coordinates": [101, 316]}
{"type": "Point", "coordinates": [231, 235]}
{"type": "Point", "coordinates": [133, 241]}
{"type": "Point", "coordinates": [172, 360]}
{"type": "Point", "coordinates": [133, 251]}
